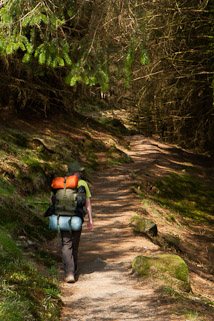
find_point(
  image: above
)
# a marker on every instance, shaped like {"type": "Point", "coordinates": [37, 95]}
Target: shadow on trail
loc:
{"type": "Point", "coordinates": [105, 289]}
{"type": "Point", "coordinates": [144, 307]}
{"type": "Point", "coordinates": [158, 157]}
{"type": "Point", "coordinates": [112, 199]}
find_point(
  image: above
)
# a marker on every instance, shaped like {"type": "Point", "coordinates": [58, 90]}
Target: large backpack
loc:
{"type": "Point", "coordinates": [66, 195]}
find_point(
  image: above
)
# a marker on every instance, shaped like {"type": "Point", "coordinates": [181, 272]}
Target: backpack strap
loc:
{"type": "Point", "coordinates": [58, 227]}
{"type": "Point", "coordinates": [65, 179]}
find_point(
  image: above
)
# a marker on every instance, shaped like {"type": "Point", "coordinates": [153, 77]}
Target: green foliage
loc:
{"type": "Point", "coordinates": [131, 58]}
{"type": "Point", "coordinates": [42, 33]}
{"type": "Point", "coordinates": [54, 36]}
{"type": "Point", "coordinates": [164, 54]}
{"type": "Point", "coordinates": [12, 306]}
{"type": "Point", "coordinates": [27, 27]}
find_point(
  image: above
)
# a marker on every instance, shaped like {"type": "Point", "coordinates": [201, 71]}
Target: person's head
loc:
{"type": "Point", "coordinates": [75, 169]}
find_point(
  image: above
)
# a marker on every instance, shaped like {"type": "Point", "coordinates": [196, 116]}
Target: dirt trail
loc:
{"type": "Point", "coordinates": [106, 289]}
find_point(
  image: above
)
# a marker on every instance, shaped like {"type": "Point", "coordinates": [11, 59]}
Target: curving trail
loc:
{"type": "Point", "coordinates": [106, 289]}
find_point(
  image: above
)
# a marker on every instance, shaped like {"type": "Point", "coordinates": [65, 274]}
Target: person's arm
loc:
{"type": "Point", "coordinates": [89, 211]}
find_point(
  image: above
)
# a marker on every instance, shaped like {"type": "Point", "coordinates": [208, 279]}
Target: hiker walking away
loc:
{"type": "Point", "coordinates": [71, 237]}
{"type": "Point", "coordinates": [70, 242]}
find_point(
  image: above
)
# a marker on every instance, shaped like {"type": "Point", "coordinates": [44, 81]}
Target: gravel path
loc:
{"type": "Point", "coordinates": [106, 289]}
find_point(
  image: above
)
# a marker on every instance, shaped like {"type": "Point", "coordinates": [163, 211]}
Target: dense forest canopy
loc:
{"type": "Point", "coordinates": [153, 58]}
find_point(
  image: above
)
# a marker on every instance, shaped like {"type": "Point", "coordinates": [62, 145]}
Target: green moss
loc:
{"type": "Point", "coordinates": [141, 266]}
{"type": "Point", "coordinates": [7, 244]}
{"type": "Point", "coordinates": [139, 223]}
{"type": "Point", "coordinates": [116, 156]}
{"type": "Point", "coordinates": [190, 197]}
{"type": "Point", "coordinates": [168, 269]}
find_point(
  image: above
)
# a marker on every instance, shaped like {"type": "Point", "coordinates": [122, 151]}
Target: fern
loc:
{"type": "Point", "coordinates": [42, 57]}
{"type": "Point", "coordinates": [46, 34]}
{"type": "Point", "coordinates": [26, 58]}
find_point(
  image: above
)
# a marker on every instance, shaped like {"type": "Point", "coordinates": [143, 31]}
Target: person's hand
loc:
{"type": "Point", "coordinates": [90, 225]}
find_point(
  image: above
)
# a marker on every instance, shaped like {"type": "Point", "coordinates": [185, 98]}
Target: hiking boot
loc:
{"type": "Point", "coordinates": [70, 278]}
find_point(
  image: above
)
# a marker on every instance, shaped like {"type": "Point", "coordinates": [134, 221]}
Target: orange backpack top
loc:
{"type": "Point", "coordinates": [66, 195]}
{"type": "Point", "coordinates": [70, 182]}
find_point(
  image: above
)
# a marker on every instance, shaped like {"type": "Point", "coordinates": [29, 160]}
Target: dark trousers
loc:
{"type": "Point", "coordinates": [70, 245]}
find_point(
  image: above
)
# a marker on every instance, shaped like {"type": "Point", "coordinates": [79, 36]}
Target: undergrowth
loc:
{"type": "Point", "coordinates": [182, 200]}
{"type": "Point", "coordinates": [26, 294]}
{"type": "Point", "coordinates": [29, 160]}
{"type": "Point", "coordinates": [191, 198]}
{"type": "Point", "coordinates": [182, 195]}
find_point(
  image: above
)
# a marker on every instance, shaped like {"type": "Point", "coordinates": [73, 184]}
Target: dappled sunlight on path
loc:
{"type": "Point", "coordinates": [105, 288]}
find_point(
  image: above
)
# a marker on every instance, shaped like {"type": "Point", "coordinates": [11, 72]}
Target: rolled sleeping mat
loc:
{"type": "Point", "coordinates": [65, 223]}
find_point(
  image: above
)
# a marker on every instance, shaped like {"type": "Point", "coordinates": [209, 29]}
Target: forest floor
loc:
{"type": "Point", "coordinates": [105, 288]}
